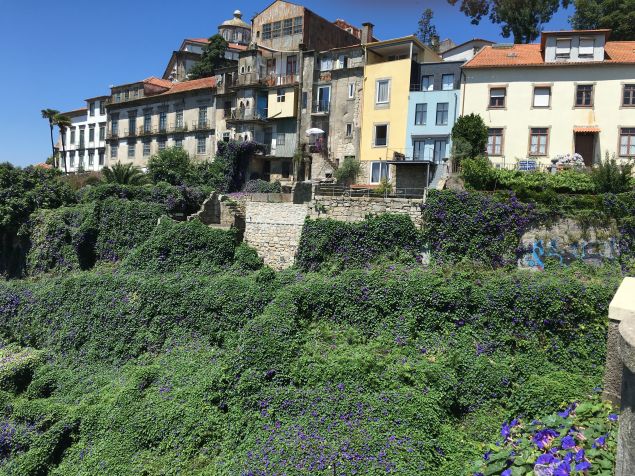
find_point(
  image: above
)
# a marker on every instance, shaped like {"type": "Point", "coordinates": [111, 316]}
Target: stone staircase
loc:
{"type": "Point", "coordinates": [220, 211]}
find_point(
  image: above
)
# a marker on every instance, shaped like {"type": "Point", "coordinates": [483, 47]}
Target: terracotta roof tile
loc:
{"type": "Point", "coordinates": [204, 41]}
{"type": "Point", "coordinates": [587, 129]}
{"type": "Point", "coordinates": [203, 83]}
{"type": "Point", "coordinates": [531, 55]}
{"type": "Point", "coordinates": [163, 83]}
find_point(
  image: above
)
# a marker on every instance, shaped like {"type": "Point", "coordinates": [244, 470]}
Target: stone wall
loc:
{"type": "Point", "coordinates": [567, 241]}
{"type": "Point", "coordinates": [274, 230]}
{"type": "Point", "coordinates": [353, 209]}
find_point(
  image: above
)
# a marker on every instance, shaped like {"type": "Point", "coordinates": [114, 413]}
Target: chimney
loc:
{"type": "Point", "coordinates": [367, 33]}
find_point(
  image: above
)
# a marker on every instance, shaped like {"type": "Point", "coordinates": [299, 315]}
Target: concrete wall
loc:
{"type": "Point", "coordinates": [619, 378]}
{"type": "Point", "coordinates": [274, 230]}
{"type": "Point", "coordinates": [561, 117]}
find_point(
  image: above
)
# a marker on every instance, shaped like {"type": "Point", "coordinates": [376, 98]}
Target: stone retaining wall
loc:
{"type": "Point", "coordinates": [274, 230]}
{"type": "Point", "coordinates": [354, 209]}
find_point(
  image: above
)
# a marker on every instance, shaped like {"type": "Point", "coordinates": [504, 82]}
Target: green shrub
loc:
{"type": "Point", "coordinates": [262, 186]}
{"type": "Point", "coordinates": [471, 131]}
{"type": "Point", "coordinates": [17, 366]}
{"type": "Point", "coordinates": [478, 173]}
{"type": "Point", "coordinates": [325, 241]}
{"type": "Point", "coordinates": [183, 247]}
{"type": "Point", "coordinates": [246, 258]}
{"type": "Point", "coordinates": [171, 165]}
{"type": "Point", "coordinates": [62, 239]}
{"type": "Point", "coordinates": [611, 177]}
{"type": "Point", "coordinates": [348, 170]}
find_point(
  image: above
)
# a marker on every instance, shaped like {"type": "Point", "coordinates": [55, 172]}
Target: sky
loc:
{"type": "Point", "coordinates": [56, 54]}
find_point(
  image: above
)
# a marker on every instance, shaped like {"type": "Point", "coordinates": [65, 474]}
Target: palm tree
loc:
{"type": "Point", "coordinates": [63, 122]}
{"type": "Point", "coordinates": [50, 115]}
{"type": "Point", "coordinates": [127, 174]}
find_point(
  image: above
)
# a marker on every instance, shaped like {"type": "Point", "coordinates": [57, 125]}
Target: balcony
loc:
{"type": "Point", "coordinates": [130, 133]}
{"type": "Point", "coordinates": [112, 135]}
{"type": "Point", "coordinates": [201, 126]}
{"type": "Point", "coordinates": [321, 107]}
{"type": "Point", "coordinates": [146, 130]}
{"type": "Point", "coordinates": [246, 114]}
{"type": "Point", "coordinates": [176, 128]}
{"type": "Point", "coordinates": [246, 79]}
{"type": "Point", "coordinates": [274, 80]}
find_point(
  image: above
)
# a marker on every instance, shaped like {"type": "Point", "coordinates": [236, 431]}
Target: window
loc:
{"type": "Point", "coordinates": [280, 95]}
{"type": "Point", "coordinates": [351, 90]}
{"type": "Point", "coordinates": [102, 107]}
{"type": "Point", "coordinates": [275, 29]}
{"type": "Point", "coordinates": [305, 100]}
{"type": "Point", "coordinates": [114, 151]}
{"type": "Point", "coordinates": [147, 122]}
{"type": "Point", "coordinates": [72, 161]}
{"type": "Point", "coordinates": [297, 25]}
{"type": "Point", "coordinates": [627, 142]}
{"type": "Point", "coordinates": [131, 149]}
{"type": "Point", "coordinates": [179, 119]}
{"type": "Point", "coordinates": [419, 149]}
{"type": "Point", "coordinates": [629, 95]}
{"type": "Point", "coordinates": [287, 27]}
{"type": "Point", "coordinates": [497, 98]}
{"type": "Point", "coordinates": [538, 141]}
{"type": "Point", "coordinates": [584, 95]}
{"type": "Point", "coordinates": [421, 113]}
{"type": "Point", "coordinates": [102, 133]}
{"type": "Point", "coordinates": [587, 46]}
{"type": "Point", "coordinates": [178, 142]}
{"type": "Point", "coordinates": [266, 31]}
{"type": "Point", "coordinates": [442, 114]}
{"type": "Point", "coordinates": [91, 158]}
{"type": "Point", "coordinates": [563, 48]}
{"type": "Point", "coordinates": [280, 139]}
{"type": "Point", "coordinates": [126, 95]}
{"type": "Point", "coordinates": [114, 125]}
{"type": "Point", "coordinates": [82, 133]}
{"type": "Point", "coordinates": [326, 64]}
{"type": "Point", "coordinates": [91, 134]}
{"type": "Point", "coordinates": [91, 108]}
{"type": "Point", "coordinates": [427, 83]}
{"type": "Point", "coordinates": [542, 96]}
{"type": "Point", "coordinates": [381, 135]}
{"type": "Point", "coordinates": [101, 157]}
{"type": "Point", "coordinates": [146, 147]}
{"type": "Point", "coordinates": [200, 145]}
{"type": "Point", "coordinates": [495, 142]}
{"type": "Point", "coordinates": [132, 125]}
{"type": "Point", "coordinates": [292, 65]}
{"type": "Point", "coordinates": [379, 171]}
{"type": "Point", "coordinates": [163, 121]}
{"type": "Point", "coordinates": [73, 135]}
{"type": "Point", "coordinates": [162, 143]}
{"type": "Point", "coordinates": [286, 169]}
{"type": "Point", "coordinates": [324, 99]}
{"type": "Point", "coordinates": [118, 97]}
{"type": "Point", "coordinates": [447, 82]}
{"type": "Point", "coordinates": [349, 129]}
{"type": "Point", "coordinates": [382, 95]}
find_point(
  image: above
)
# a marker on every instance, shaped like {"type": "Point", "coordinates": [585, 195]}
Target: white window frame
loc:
{"type": "Point", "coordinates": [375, 126]}
{"type": "Point", "coordinates": [281, 97]}
{"type": "Point", "coordinates": [430, 85]}
{"type": "Point", "coordinates": [587, 51]}
{"type": "Point", "coordinates": [351, 90]}
{"type": "Point", "coordinates": [563, 51]}
{"type": "Point", "coordinates": [533, 100]}
{"type": "Point", "coordinates": [443, 83]}
{"type": "Point", "coordinates": [384, 171]}
{"type": "Point", "coordinates": [377, 86]}
{"type": "Point", "coordinates": [349, 129]}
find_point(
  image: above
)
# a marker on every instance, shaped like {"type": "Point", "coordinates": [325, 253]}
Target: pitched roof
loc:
{"type": "Point", "coordinates": [75, 112]}
{"type": "Point", "coordinates": [203, 83]}
{"type": "Point", "coordinates": [204, 41]}
{"type": "Point", "coordinates": [616, 52]}
{"type": "Point", "coordinates": [473, 40]}
{"type": "Point", "coordinates": [162, 83]}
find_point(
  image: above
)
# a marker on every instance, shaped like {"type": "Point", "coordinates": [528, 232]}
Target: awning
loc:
{"type": "Point", "coordinates": [586, 129]}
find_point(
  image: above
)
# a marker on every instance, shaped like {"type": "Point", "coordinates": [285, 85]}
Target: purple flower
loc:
{"type": "Point", "coordinates": [563, 469]}
{"type": "Point", "coordinates": [583, 466]}
{"type": "Point", "coordinates": [543, 438]}
{"type": "Point", "coordinates": [601, 441]}
{"type": "Point", "coordinates": [613, 417]}
{"type": "Point", "coordinates": [507, 472]}
{"type": "Point", "coordinates": [487, 455]}
{"type": "Point", "coordinates": [579, 456]}
{"type": "Point", "coordinates": [568, 442]}
{"type": "Point", "coordinates": [546, 459]}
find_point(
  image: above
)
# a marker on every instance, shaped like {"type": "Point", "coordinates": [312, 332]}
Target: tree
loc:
{"type": "Point", "coordinates": [521, 18]}
{"type": "Point", "coordinates": [121, 174]}
{"type": "Point", "coordinates": [172, 165]}
{"type": "Point", "coordinates": [63, 122]}
{"type": "Point", "coordinates": [50, 114]}
{"type": "Point", "coordinates": [213, 58]}
{"type": "Point", "coordinates": [470, 133]}
{"type": "Point", "coordinates": [427, 31]}
{"type": "Point", "coordinates": [618, 15]}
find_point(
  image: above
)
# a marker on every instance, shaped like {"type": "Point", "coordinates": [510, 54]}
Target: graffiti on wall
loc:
{"type": "Point", "coordinates": [592, 252]}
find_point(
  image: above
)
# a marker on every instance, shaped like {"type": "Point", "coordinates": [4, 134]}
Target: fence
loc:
{"type": "Point", "coordinates": [333, 190]}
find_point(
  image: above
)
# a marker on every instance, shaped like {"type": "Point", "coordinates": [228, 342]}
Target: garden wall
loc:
{"type": "Point", "coordinates": [274, 230]}
{"type": "Point", "coordinates": [568, 241]}
{"type": "Point", "coordinates": [354, 209]}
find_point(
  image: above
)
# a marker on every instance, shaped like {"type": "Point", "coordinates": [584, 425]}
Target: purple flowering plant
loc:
{"type": "Point", "coordinates": [578, 441]}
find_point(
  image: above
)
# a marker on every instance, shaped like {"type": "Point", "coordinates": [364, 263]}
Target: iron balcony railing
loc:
{"type": "Point", "coordinates": [201, 125]}
{"type": "Point", "coordinates": [369, 191]}
{"type": "Point", "coordinates": [272, 80]}
{"type": "Point", "coordinates": [248, 114]}
{"type": "Point", "coordinates": [321, 107]}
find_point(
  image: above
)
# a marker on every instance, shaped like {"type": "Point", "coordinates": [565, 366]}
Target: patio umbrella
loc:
{"type": "Point", "coordinates": [314, 131]}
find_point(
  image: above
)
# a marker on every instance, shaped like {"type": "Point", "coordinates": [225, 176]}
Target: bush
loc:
{"type": "Point", "coordinates": [611, 177]}
{"type": "Point", "coordinates": [478, 173]}
{"type": "Point", "coordinates": [579, 440]}
{"type": "Point", "coordinates": [476, 227]}
{"type": "Point", "coordinates": [471, 131]}
{"type": "Point", "coordinates": [348, 170]}
{"type": "Point", "coordinates": [325, 241]}
{"type": "Point", "coordinates": [187, 246]}
{"type": "Point", "coordinates": [122, 225]}
{"type": "Point", "coordinates": [171, 165]}
{"type": "Point", "coordinates": [246, 258]}
{"type": "Point", "coordinates": [262, 186]}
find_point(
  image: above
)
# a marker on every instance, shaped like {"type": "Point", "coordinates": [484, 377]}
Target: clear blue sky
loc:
{"type": "Point", "coordinates": [56, 54]}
